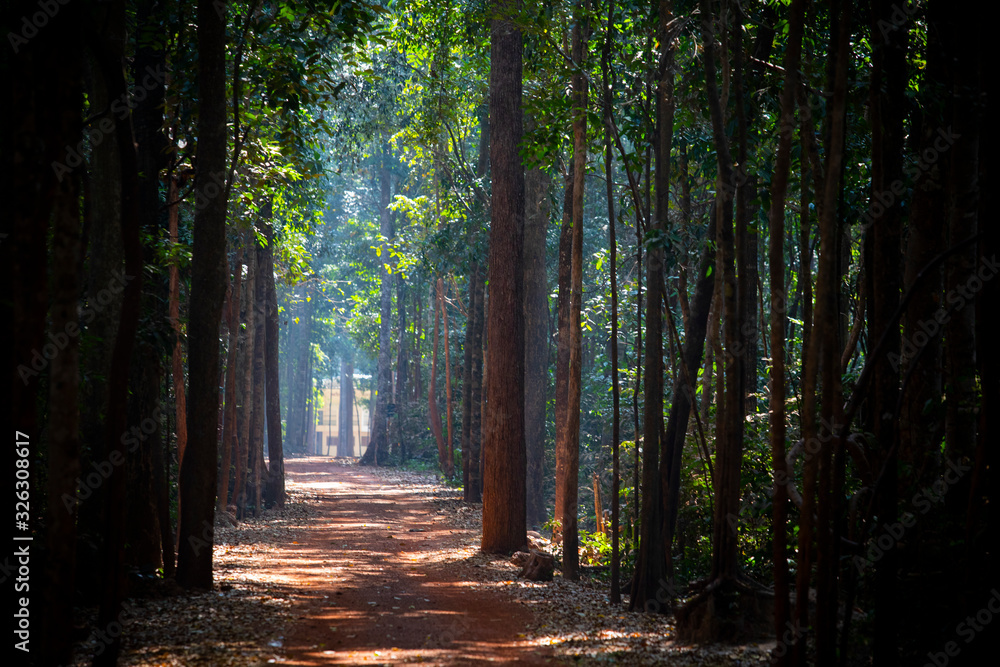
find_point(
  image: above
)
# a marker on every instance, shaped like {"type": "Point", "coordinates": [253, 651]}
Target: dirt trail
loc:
{"type": "Point", "coordinates": [379, 580]}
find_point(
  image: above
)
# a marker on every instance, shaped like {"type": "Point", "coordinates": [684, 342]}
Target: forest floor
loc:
{"type": "Point", "coordinates": [382, 566]}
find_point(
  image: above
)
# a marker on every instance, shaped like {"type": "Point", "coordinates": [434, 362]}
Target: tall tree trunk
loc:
{"type": "Point", "coordinates": [275, 490]}
{"type": "Point", "coordinates": [378, 442]}
{"type": "Point", "coordinates": [562, 344]}
{"type": "Point", "coordinates": [198, 469]}
{"type": "Point", "coordinates": [255, 444]}
{"type": "Point", "coordinates": [652, 557]}
{"type": "Point", "coordinates": [776, 263]}
{"type": "Point", "coordinates": [46, 116]}
{"type": "Point", "coordinates": [177, 353]}
{"type": "Point", "coordinates": [245, 386]}
{"type": "Point", "coordinates": [229, 414]}
{"type": "Point", "coordinates": [432, 407]}
{"type": "Point", "coordinates": [467, 390]}
{"type": "Point", "coordinates": [607, 83]}
{"type": "Point", "coordinates": [729, 447]}
{"type": "Point", "coordinates": [536, 327]}
{"type": "Point", "coordinates": [503, 438]}
{"type": "Point", "coordinates": [400, 398]}
{"type": "Point", "coordinates": [449, 412]}
{"type": "Point", "coordinates": [569, 479]}
{"type": "Point", "coordinates": [345, 418]}
{"type": "Point", "coordinates": [888, 81]}
{"type": "Point", "coordinates": [113, 570]}
{"type": "Point", "coordinates": [475, 493]}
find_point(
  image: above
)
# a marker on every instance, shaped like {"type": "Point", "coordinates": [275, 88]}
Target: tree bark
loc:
{"type": "Point", "coordinates": [345, 418]}
{"type": "Point", "coordinates": [607, 82]}
{"type": "Point", "coordinates": [570, 474]}
{"type": "Point", "coordinates": [776, 263]}
{"type": "Point", "coordinates": [562, 345]}
{"type": "Point", "coordinates": [652, 557]}
{"type": "Point", "coordinates": [378, 443]}
{"type": "Point", "coordinates": [198, 469]}
{"type": "Point", "coordinates": [432, 407]}
{"type": "Point", "coordinates": [536, 348]}
{"type": "Point", "coordinates": [229, 414]}
{"type": "Point", "coordinates": [504, 463]}
{"type": "Point", "coordinates": [275, 490]}
{"type": "Point", "coordinates": [244, 389]}
{"type": "Point", "coordinates": [449, 412]}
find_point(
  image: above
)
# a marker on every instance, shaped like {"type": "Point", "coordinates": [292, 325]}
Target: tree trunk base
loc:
{"type": "Point", "coordinates": [535, 565]}
{"type": "Point", "coordinates": [726, 611]}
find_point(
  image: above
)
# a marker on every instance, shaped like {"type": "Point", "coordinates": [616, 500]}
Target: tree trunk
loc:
{"type": "Point", "coordinates": [275, 491]}
{"type": "Point", "coordinates": [255, 445]}
{"type": "Point", "coordinates": [177, 353]}
{"type": "Point", "coordinates": [536, 347]}
{"type": "Point", "coordinates": [50, 118]}
{"type": "Point", "coordinates": [467, 390]}
{"type": "Point", "coordinates": [569, 479]}
{"type": "Point", "coordinates": [345, 417]}
{"type": "Point", "coordinates": [432, 408]}
{"type": "Point", "coordinates": [244, 389]}
{"type": "Point", "coordinates": [198, 469]}
{"type": "Point", "coordinates": [776, 262]}
{"type": "Point", "coordinates": [229, 415]}
{"type": "Point", "coordinates": [562, 345]}
{"type": "Point", "coordinates": [400, 397]}
{"type": "Point", "coordinates": [449, 412]}
{"type": "Point", "coordinates": [503, 438]}
{"type": "Point", "coordinates": [652, 558]}
{"type": "Point", "coordinates": [378, 442]}
{"type": "Point", "coordinates": [475, 493]}
{"type": "Point", "coordinates": [888, 81]}
{"type": "Point", "coordinates": [607, 83]}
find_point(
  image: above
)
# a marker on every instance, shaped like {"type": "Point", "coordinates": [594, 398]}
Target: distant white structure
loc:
{"type": "Point", "coordinates": [326, 427]}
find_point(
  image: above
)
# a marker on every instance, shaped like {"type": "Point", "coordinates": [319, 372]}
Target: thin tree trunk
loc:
{"type": "Point", "coordinates": [562, 345]}
{"type": "Point", "coordinates": [177, 354]}
{"type": "Point", "coordinates": [888, 81]}
{"type": "Point", "coordinates": [432, 408]}
{"type": "Point", "coordinates": [569, 480]}
{"type": "Point", "coordinates": [378, 439]}
{"type": "Point", "coordinates": [776, 259]}
{"type": "Point", "coordinates": [652, 557]}
{"type": "Point", "coordinates": [275, 491]}
{"type": "Point", "coordinates": [345, 418]}
{"type": "Point", "coordinates": [449, 412]}
{"type": "Point", "coordinates": [229, 417]}
{"type": "Point", "coordinates": [607, 83]}
{"type": "Point", "coordinates": [536, 360]}
{"type": "Point", "coordinates": [476, 399]}
{"type": "Point", "coordinates": [245, 386]}
{"type": "Point", "coordinates": [255, 444]}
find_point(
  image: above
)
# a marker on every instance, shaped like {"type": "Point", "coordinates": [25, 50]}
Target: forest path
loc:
{"type": "Point", "coordinates": [380, 580]}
